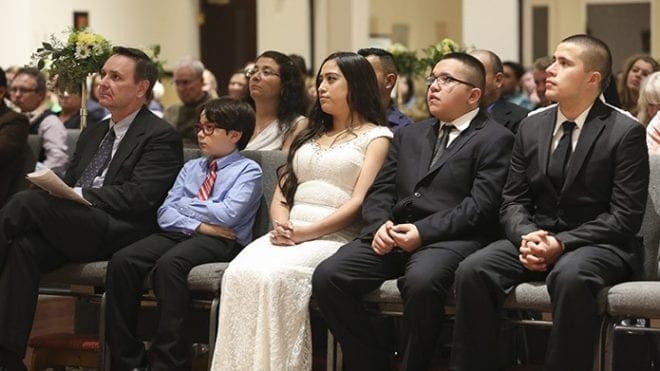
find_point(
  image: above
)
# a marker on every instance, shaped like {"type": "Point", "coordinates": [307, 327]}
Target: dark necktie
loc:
{"type": "Point", "coordinates": [99, 162]}
{"type": "Point", "coordinates": [207, 186]}
{"type": "Point", "coordinates": [441, 143]}
{"type": "Point", "coordinates": [559, 158]}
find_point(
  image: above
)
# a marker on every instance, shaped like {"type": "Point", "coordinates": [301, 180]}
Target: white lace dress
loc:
{"type": "Point", "coordinates": [264, 316]}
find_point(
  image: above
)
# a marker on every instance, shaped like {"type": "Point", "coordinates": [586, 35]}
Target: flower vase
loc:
{"type": "Point", "coordinates": [83, 106]}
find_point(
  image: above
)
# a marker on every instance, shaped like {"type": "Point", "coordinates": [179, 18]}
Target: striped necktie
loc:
{"type": "Point", "coordinates": [207, 186]}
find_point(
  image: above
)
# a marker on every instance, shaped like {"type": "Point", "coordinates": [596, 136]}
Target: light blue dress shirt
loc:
{"type": "Point", "coordinates": [233, 202]}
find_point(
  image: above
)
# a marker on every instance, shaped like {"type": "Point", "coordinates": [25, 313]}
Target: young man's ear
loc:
{"type": "Point", "coordinates": [499, 79]}
{"type": "Point", "coordinates": [143, 85]}
{"type": "Point", "coordinates": [390, 80]}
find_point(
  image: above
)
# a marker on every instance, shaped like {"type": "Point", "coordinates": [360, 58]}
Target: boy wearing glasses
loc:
{"type": "Point", "coordinates": [433, 203]}
{"type": "Point", "coordinates": [207, 217]}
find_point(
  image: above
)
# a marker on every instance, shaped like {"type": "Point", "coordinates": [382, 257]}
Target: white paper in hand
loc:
{"type": "Point", "coordinates": [50, 182]}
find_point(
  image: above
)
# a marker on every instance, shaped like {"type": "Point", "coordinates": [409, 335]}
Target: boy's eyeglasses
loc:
{"type": "Point", "coordinates": [207, 129]}
{"type": "Point", "coordinates": [445, 79]}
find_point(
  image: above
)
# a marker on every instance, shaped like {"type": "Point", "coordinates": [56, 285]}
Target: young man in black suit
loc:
{"type": "Point", "coordinates": [433, 203]}
{"type": "Point", "coordinates": [572, 205]}
{"type": "Point", "coordinates": [124, 166]}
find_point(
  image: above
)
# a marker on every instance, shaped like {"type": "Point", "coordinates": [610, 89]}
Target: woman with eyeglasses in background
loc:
{"type": "Point", "coordinates": [277, 88]}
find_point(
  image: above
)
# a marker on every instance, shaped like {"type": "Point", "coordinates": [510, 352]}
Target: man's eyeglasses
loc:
{"type": "Point", "coordinates": [16, 90]}
{"type": "Point", "coordinates": [266, 72]}
{"type": "Point", "coordinates": [446, 79]}
{"type": "Point", "coordinates": [207, 129]}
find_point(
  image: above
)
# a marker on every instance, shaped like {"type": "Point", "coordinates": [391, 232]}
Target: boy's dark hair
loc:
{"type": "Point", "coordinates": [517, 68]}
{"type": "Point", "coordinates": [230, 114]}
{"type": "Point", "coordinates": [596, 56]}
{"type": "Point", "coordinates": [476, 73]}
{"type": "Point", "coordinates": [386, 58]}
{"type": "Point", "coordinates": [145, 68]}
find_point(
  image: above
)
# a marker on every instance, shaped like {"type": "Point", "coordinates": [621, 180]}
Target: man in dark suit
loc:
{"type": "Point", "coordinates": [501, 110]}
{"type": "Point", "coordinates": [124, 166]}
{"type": "Point", "coordinates": [433, 203]}
{"type": "Point", "coordinates": [15, 155]}
{"type": "Point", "coordinates": [570, 216]}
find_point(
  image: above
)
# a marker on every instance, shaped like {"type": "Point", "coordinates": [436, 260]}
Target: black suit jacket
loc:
{"type": "Point", "coordinates": [16, 158]}
{"type": "Point", "coordinates": [508, 114]}
{"type": "Point", "coordinates": [604, 195]}
{"type": "Point", "coordinates": [457, 199]}
{"type": "Point", "coordinates": [140, 173]}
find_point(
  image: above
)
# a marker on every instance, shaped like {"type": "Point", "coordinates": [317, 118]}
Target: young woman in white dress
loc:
{"type": "Point", "coordinates": [264, 314]}
{"type": "Point", "coordinates": [277, 89]}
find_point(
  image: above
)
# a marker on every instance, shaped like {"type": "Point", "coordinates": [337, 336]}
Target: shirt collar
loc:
{"type": "Point", "coordinates": [122, 126]}
{"type": "Point", "coordinates": [224, 161]}
{"type": "Point", "coordinates": [462, 122]}
{"type": "Point", "coordinates": [579, 121]}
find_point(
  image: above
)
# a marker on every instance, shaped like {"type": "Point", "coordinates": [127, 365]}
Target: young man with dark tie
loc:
{"type": "Point", "coordinates": [123, 166]}
{"type": "Point", "coordinates": [207, 217]}
{"type": "Point", "coordinates": [433, 203]}
{"type": "Point", "coordinates": [572, 206]}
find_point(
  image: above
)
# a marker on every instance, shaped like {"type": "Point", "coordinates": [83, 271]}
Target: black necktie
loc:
{"type": "Point", "coordinates": [559, 158]}
{"type": "Point", "coordinates": [99, 162]}
{"type": "Point", "coordinates": [441, 143]}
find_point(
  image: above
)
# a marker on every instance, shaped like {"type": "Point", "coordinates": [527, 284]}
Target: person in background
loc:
{"type": "Point", "coordinates": [95, 111]}
{"type": "Point", "coordinates": [210, 83]}
{"type": "Point", "coordinates": [237, 87]}
{"type": "Point", "coordinates": [70, 113]}
{"type": "Point", "coordinates": [382, 62]}
{"type": "Point", "coordinates": [28, 92]}
{"type": "Point", "coordinates": [207, 217]}
{"type": "Point", "coordinates": [502, 111]}
{"type": "Point", "coordinates": [540, 77]}
{"type": "Point", "coordinates": [15, 155]}
{"type": "Point", "coordinates": [635, 69]}
{"type": "Point", "coordinates": [188, 80]}
{"type": "Point", "coordinates": [511, 89]}
{"type": "Point", "coordinates": [277, 89]}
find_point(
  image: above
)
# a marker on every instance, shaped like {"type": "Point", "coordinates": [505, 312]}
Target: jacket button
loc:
{"type": "Point", "coordinates": [417, 194]}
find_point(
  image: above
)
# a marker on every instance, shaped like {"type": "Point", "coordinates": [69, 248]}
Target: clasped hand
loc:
{"type": "Point", "coordinates": [390, 235]}
{"type": "Point", "coordinates": [539, 250]}
{"type": "Point", "coordinates": [287, 234]}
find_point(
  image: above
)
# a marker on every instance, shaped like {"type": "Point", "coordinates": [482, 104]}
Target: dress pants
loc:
{"type": "Point", "coordinates": [39, 233]}
{"type": "Point", "coordinates": [170, 256]}
{"type": "Point", "coordinates": [484, 279]}
{"type": "Point", "coordinates": [426, 276]}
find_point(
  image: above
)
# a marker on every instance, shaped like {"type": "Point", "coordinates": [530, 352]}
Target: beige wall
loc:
{"type": "Point", "coordinates": [495, 29]}
{"type": "Point", "coordinates": [283, 25]}
{"type": "Point", "coordinates": [170, 23]}
{"type": "Point", "coordinates": [429, 21]}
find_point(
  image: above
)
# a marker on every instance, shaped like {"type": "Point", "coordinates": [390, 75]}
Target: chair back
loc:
{"type": "Point", "coordinates": [650, 230]}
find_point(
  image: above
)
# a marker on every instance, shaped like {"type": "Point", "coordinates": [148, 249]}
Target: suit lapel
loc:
{"type": "Point", "coordinates": [427, 146]}
{"type": "Point", "coordinates": [593, 126]}
{"type": "Point", "coordinates": [463, 138]}
{"type": "Point", "coordinates": [127, 144]}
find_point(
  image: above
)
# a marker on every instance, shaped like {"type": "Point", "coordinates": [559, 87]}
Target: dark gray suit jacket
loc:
{"type": "Point", "coordinates": [140, 173]}
{"type": "Point", "coordinates": [604, 195]}
{"type": "Point", "coordinates": [456, 201]}
{"type": "Point", "coordinates": [508, 114]}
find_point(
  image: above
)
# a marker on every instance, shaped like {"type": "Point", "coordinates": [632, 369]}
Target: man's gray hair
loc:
{"type": "Point", "coordinates": [195, 65]}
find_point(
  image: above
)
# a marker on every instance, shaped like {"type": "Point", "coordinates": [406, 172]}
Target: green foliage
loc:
{"type": "Point", "coordinates": [409, 64]}
{"type": "Point", "coordinates": [69, 64]}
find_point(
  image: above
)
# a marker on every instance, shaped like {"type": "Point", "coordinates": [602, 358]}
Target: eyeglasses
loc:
{"type": "Point", "coordinates": [266, 72]}
{"type": "Point", "coordinates": [446, 79]}
{"type": "Point", "coordinates": [207, 129]}
{"type": "Point", "coordinates": [16, 90]}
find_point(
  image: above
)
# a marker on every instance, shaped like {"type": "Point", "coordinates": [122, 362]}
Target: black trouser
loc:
{"type": "Point", "coordinates": [426, 276]}
{"type": "Point", "coordinates": [39, 233]}
{"type": "Point", "coordinates": [171, 256]}
{"type": "Point", "coordinates": [484, 279]}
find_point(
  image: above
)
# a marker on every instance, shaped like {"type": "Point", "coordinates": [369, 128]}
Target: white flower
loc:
{"type": "Point", "coordinates": [97, 49]}
{"type": "Point", "coordinates": [82, 51]}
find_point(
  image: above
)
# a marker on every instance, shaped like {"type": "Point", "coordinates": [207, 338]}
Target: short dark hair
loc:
{"type": "Point", "coordinates": [145, 68]}
{"type": "Point", "coordinates": [299, 61]}
{"type": "Point", "coordinates": [542, 63]}
{"type": "Point", "coordinates": [494, 59]}
{"type": "Point", "coordinates": [3, 78]}
{"type": "Point", "coordinates": [230, 114]}
{"type": "Point", "coordinates": [517, 68]}
{"type": "Point", "coordinates": [476, 71]}
{"type": "Point", "coordinates": [36, 74]}
{"type": "Point", "coordinates": [386, 58]}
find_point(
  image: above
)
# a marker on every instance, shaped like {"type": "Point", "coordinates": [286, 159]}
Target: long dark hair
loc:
{"type": "Point", "coordinates": [363, 99]}
{"type": "Point", "coordinates": [293, 98]}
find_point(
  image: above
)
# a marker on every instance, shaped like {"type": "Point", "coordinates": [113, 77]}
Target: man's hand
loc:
{"type": "Point", "coordinates": [382, 242]}
{"type": "Point", "coordinates": [538, 250]}
{"type": "Point", "coordinates": [406, 236]}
